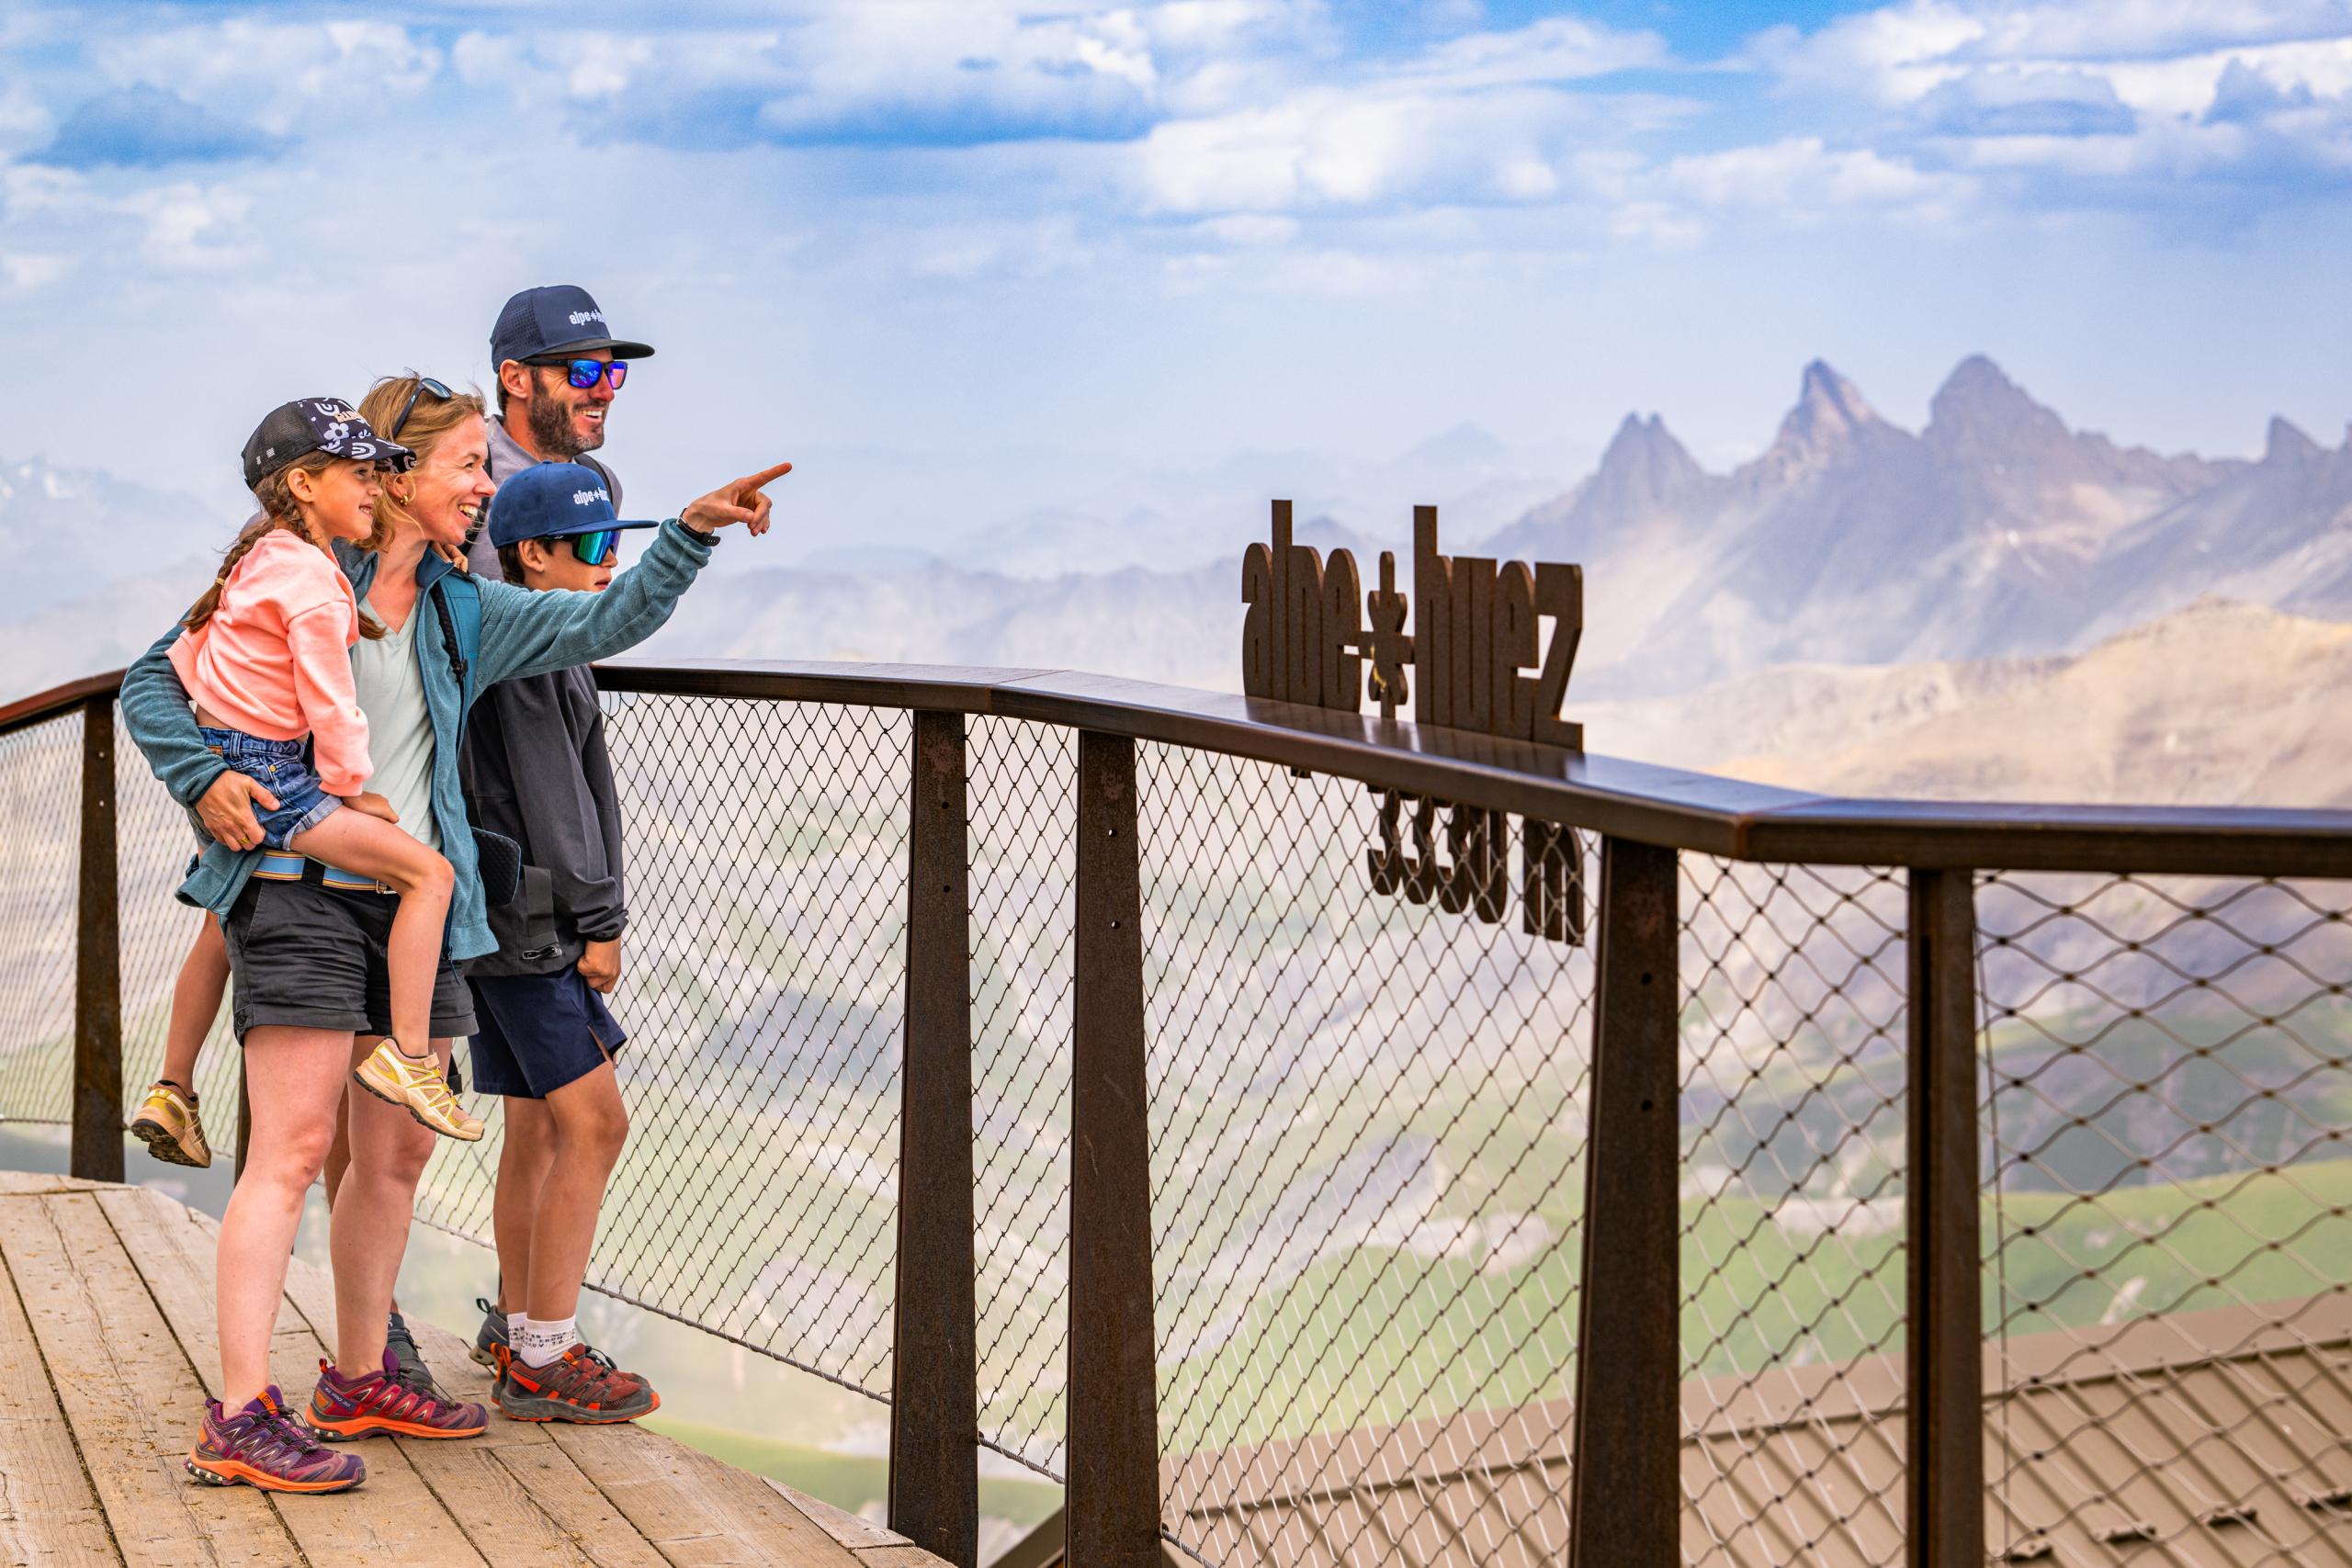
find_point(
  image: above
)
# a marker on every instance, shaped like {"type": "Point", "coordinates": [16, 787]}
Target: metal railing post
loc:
{"type": "Point", "coordinates": [1113, 1486]}
{"type": "Point", "coordinates": [97, 961]}
{"type": "Point", "coordinates": [1625, 1484]}
{"type": "Point", "coordinates": [934, 1408]}
{"type": "Point", "coordinates": [1944, 1413]}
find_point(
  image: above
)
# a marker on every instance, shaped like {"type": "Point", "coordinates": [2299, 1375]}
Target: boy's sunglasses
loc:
{"type": "Point", "coordinates": [424, 384]}
{"type": "Point", "coordinates": [591, 549]}
{"type": "Point", "coordinates": [583, 373]}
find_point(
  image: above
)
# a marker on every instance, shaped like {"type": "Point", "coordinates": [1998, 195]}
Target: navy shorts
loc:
{"type": "Point", "coordinates": [281, 767]}
{"type": "Point", "coordinates": [539, 1032]}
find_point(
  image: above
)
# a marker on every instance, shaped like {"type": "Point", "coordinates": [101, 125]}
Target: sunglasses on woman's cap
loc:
{"type": "Point", "coordinates": [424, 384]}
{"type": "Point", "coordinates": [583, 372]}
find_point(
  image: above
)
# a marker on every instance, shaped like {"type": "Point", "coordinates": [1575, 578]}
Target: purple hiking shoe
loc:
{"type": "Point", "coordinates": [262, 1446]}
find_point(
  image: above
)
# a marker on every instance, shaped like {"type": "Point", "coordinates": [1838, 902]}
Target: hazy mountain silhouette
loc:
{"type": "Point", "coordinates": [1997, 530]}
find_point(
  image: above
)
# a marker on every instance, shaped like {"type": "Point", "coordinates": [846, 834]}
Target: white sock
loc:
{"type": "Point", "coordinates": [541, 1343]}
{"type": "Point", "coordinates": [515, 1321]}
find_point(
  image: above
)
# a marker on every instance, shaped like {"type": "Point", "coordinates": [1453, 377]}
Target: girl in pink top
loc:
{"type": "Point", "coordinates": [266, 655]}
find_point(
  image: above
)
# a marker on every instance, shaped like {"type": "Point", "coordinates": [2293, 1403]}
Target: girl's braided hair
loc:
{"type": "Point", "coordinates": [278, 511]}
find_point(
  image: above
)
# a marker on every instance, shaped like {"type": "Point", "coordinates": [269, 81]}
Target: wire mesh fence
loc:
{"type": "Point", "coordinates": [1368, 1109]}
{"type": "Point", "coordinates": [1367, 1165]}
{"type": "Point", "coordinates": [1021, 799]}
{"type": "Point", "coordinates": [1793, 1101]}
{"type": "Point", "coordinates": [40, 858]}
{"type": "Point", "coordinates": [761, 990]}
{"type": "Point", "coordinates": [2168, 1272]}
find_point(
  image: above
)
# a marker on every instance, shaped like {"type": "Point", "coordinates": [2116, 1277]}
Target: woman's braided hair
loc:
{"type": "Point", "coordinates": [279, 512]}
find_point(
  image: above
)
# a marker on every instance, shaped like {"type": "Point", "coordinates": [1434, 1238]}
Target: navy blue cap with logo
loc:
{"type": "Point", "coordinates": [317, 424]}
{"type": "Point", "coordinates": [551, 501]}
{"type": "Point", "coordinates": [558, 318]}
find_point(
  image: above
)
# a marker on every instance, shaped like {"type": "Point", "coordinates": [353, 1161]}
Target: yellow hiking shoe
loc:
{"type": "Point", "coordinates": [392, 1075]}
{"type": "Point", "coordinates": [168, 1124]}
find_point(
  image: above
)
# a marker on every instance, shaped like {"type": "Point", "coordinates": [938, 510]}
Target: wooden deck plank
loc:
{"type": "Point", "coordinates": [48, 1512]}
{"type": "Point", "coordinates": [697, 1510]}
{"type": "Point", "coordinates": [131, 1269]}
{"type": "Point", "coordinates": [716, 1528]}
{"type": "Point", "coordinates": [852, 1530]}
{"type": "Point", "coordinates": [35, 1183]}
{"type": "Point", "coordinates": [395, 1516]}
{"type": "Point", "coordinates": [129, 1394]}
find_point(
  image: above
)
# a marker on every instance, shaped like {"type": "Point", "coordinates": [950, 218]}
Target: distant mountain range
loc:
{"type": "Point", "coordinates": [1997, 530]}
{"type": "Point", "coordinates": [1895, 574]}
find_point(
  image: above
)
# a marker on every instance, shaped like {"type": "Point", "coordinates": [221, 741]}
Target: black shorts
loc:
{"type": "Point", "coordinates": [539, 1032]}
{"type": "Point", "coordinates": [309, 957]}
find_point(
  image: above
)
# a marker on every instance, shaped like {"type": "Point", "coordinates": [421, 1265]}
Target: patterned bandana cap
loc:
{"type": "Point", "coordinates": [317, 424]}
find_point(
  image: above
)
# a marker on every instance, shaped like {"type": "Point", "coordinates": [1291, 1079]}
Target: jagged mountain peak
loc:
{"type": "Point", "coordinates": [1830, 416]}
{"type": "Point", "coordinates": [1978, 404]}
{"type": "Point", "coordinates": [2286, 442]}
{"type": "Point", "coordinates": [1645, 471]}
{"type": "Point", "coordinates": [1826, 400]}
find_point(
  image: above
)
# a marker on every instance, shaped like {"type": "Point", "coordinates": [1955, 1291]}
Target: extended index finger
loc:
{"type": "Point", "coordinates": [762, 479]}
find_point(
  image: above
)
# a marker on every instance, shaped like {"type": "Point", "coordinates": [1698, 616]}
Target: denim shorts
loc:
{"type": "Point", "coordinates": [283, 768]}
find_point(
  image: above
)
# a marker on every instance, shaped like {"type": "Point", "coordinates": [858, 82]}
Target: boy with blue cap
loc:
{"type": "Point", "coordinates": [535, 769]}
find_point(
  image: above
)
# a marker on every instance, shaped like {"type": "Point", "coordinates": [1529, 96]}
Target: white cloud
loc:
{"type": "Point", "coordinates": [2090, 94]}
{"type": "Point", "coordinates": [1800, 176]}
{"type": "Point", "coordinates": [275, 75]}
{"type": "Point", "coordinates": [28, 270]}
{"type": "Point", "coordinates": [192, 228]}
{"type": "Point", "coordinates": [1558, 49]}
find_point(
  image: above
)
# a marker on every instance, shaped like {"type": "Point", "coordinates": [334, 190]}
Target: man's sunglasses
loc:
{"type": "Point", "coordinates": [424, 384]}
{"type": "Point", "coordinates": [583, 372]}
{"type": "Point", "coordinates": [591, 549]}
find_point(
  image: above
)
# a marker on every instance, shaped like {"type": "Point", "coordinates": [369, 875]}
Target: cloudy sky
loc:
{"type": "Point", "coordinates": [1032, 236]}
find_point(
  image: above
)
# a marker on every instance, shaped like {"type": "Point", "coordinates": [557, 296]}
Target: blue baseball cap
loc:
{"type": "Point", "coordinates": [560, 318]}
{"type": "Point", "coordinates": [550, 501]}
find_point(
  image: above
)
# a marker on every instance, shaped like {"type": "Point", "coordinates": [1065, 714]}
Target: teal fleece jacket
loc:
{"type": "Point", "coordinates": [523, 633]}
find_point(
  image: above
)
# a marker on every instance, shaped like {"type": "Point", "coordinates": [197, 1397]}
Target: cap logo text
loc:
{"type": "Point", "coordinates": [581, 318]}
{"type": "Point", "coordinates": [590, 497]}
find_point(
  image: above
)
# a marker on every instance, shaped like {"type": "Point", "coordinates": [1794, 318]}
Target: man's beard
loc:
{"type": "Point", "coordinates": [553, 434]}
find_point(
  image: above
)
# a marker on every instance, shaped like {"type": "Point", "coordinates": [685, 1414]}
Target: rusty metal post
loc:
{"type": "Point", "coordinates": [97, 961]}
{"type": "Point", "coordinates": [935, 1399]}
{"type": "Point", "coordinates": [1944, 1415]}
{"type": "Point", "coordinates": [1113, 1487]}
{"type": "Point", "coordinates": [1626, 1489]}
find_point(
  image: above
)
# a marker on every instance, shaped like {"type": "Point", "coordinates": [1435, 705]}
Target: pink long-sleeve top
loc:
{"type": "Point", "coordinates": [274, 659]}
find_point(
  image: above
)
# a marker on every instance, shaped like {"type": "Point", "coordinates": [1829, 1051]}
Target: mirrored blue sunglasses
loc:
{"type": "Point", "coordinates": [583, 372]}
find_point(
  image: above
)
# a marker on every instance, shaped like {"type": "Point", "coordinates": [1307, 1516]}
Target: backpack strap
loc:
{"type": "Point", "coordinates": [457, 599]}
{"type": "Point", "coordinates": [612, 480]}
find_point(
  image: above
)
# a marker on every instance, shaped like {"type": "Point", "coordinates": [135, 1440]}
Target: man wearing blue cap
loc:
{"type": "Point", "coordinates": [535, 769]}
{"type": "Point", "coordinates": [558, 368]}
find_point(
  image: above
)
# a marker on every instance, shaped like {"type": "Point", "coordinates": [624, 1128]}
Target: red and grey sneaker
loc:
{"type": "Point", "coordinates": [581, 1385]}
{"type": "Point", "coordinates": [375, 1405]}
{"type": "Point", "coordinates": [262, 1446]}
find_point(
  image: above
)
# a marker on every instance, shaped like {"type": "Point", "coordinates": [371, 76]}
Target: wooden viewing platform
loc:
{"type": "Point", "coordinates": [106, 1351]}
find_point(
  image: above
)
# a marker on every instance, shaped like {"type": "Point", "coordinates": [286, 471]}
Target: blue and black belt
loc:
{"type": "Point", "coordinates": [283, 866]}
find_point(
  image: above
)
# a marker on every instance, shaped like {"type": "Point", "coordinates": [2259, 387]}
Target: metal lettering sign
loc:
{"type": "Point", "coordinates": [1476, 645]}
{"type": "Point", "coordinates": [1481, 663]}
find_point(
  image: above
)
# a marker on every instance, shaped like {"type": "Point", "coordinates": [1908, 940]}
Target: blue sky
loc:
{"type": "Point", "coordinates": [1021, 234]}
